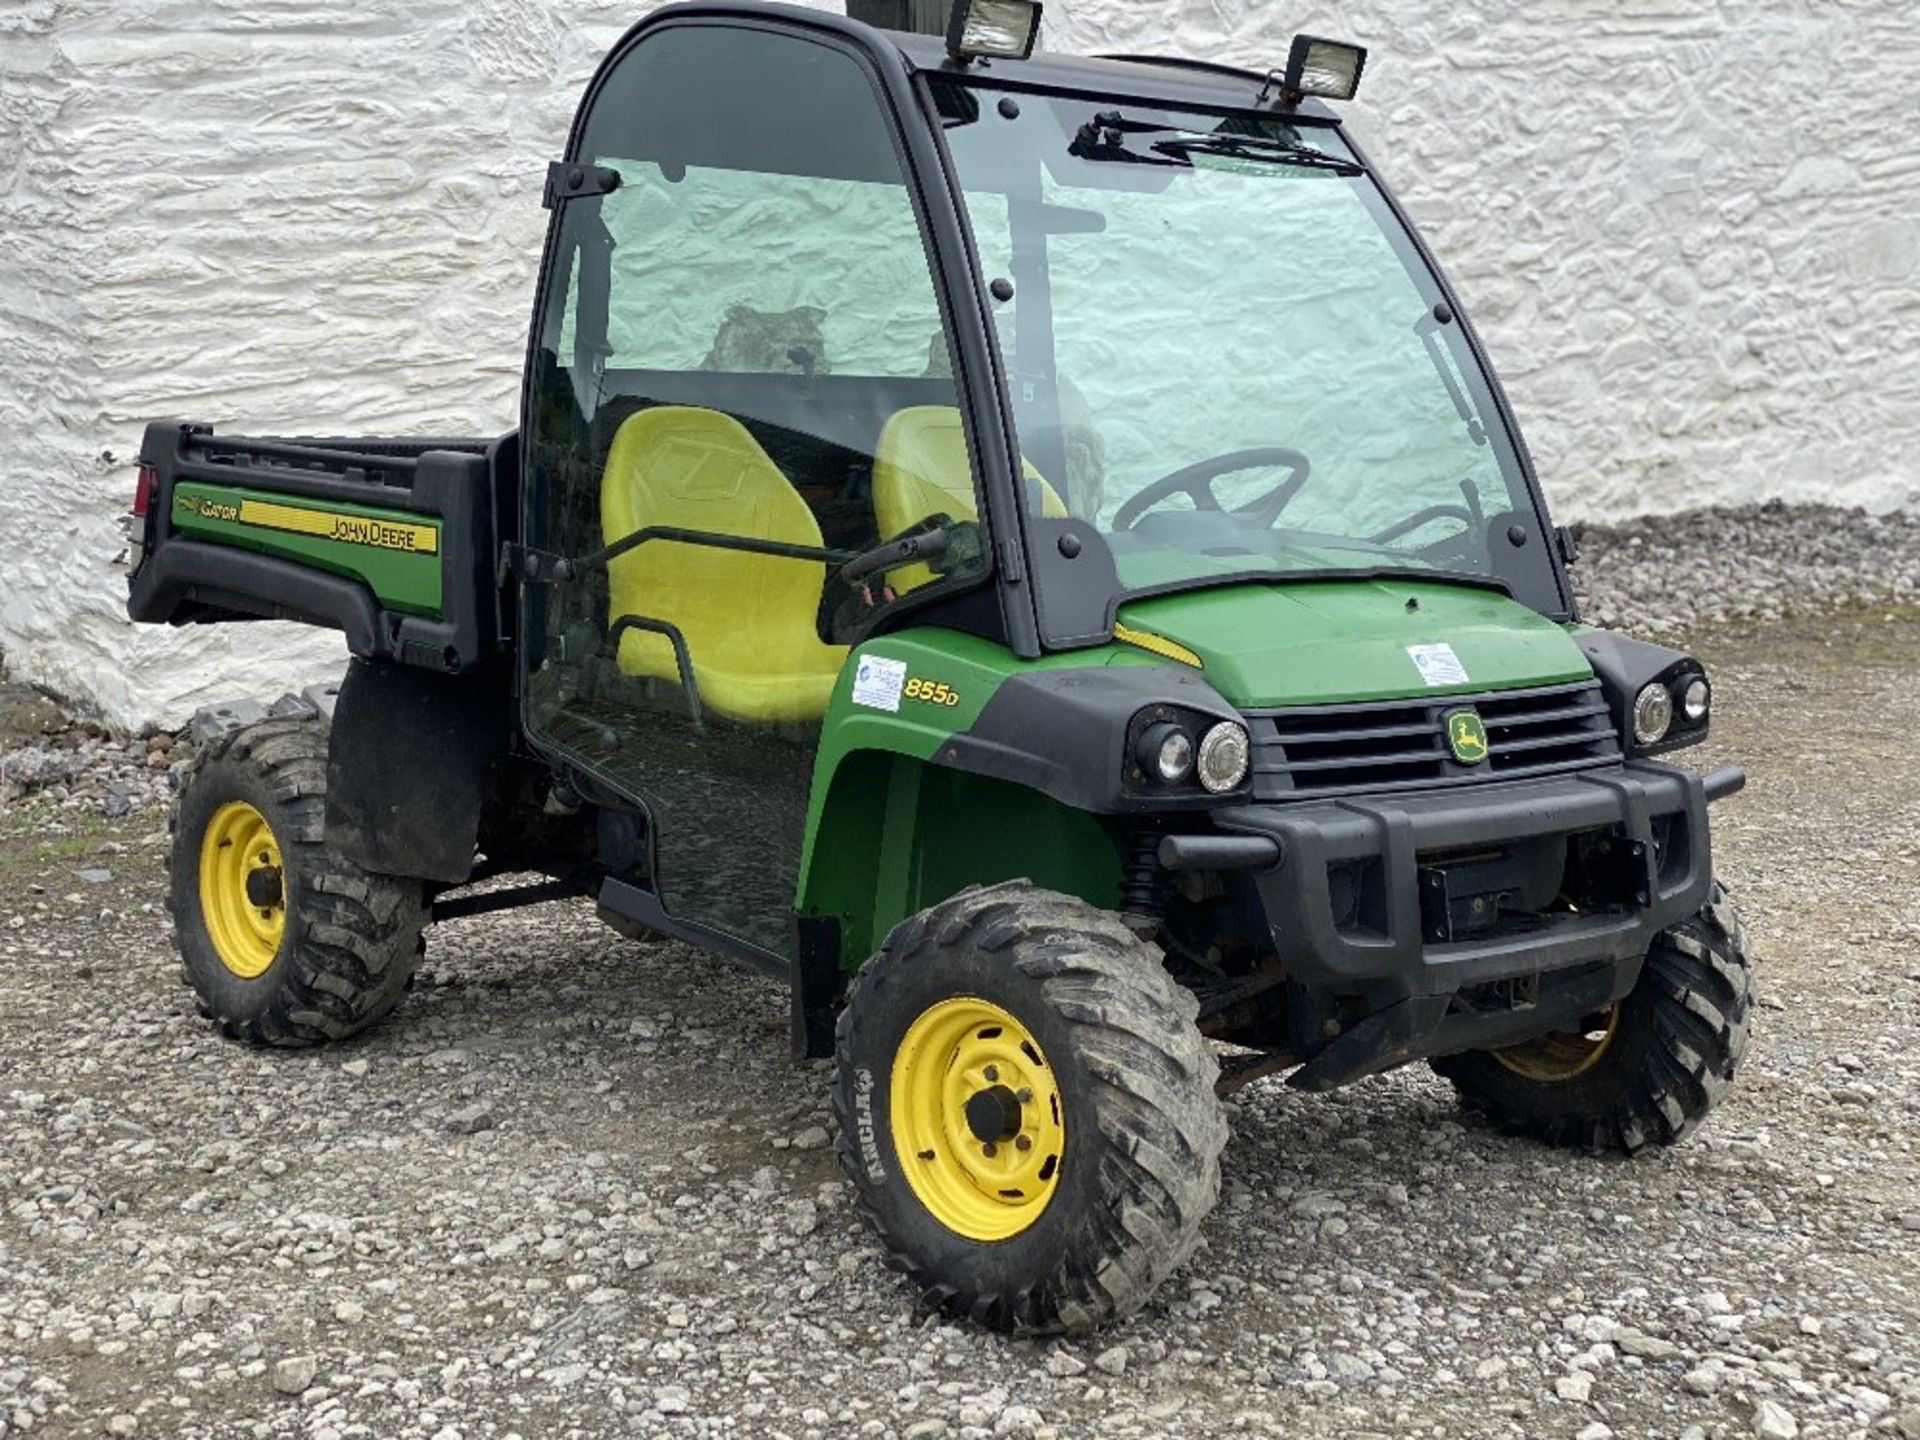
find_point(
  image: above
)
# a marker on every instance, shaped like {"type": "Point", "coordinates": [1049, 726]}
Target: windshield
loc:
{"type": "Point", "coordinates": [1225, 356]}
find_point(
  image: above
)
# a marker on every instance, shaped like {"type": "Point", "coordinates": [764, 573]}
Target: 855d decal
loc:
{"type": "Point", "coordinates": [933, 692]}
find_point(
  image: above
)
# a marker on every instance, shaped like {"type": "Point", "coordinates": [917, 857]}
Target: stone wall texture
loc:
{"type": "Point", "coordinates": [1689, 230]}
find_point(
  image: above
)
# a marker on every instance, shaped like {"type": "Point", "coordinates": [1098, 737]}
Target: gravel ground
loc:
{"type": "Point", "coordinates": [575, 1187]}
{"type": "Point", "coordinates": [1671, 574]}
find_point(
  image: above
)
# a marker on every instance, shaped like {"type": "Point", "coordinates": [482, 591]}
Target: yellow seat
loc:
{"type": "Point", "coordinates": [749, 620]}
{"type": "Point", "coordinates": [920, 469]}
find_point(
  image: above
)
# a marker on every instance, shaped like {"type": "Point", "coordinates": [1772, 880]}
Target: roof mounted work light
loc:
{"type": "Point", "coordinates": [975, 29]}
{"type": "Point", "coordinates": [1002, 29]}
{"type": "Point", "coordinates": [1327, 68]}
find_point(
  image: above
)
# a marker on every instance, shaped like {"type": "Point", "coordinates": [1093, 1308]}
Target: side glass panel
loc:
{"type": "Point", "coordinates": [742, 383]}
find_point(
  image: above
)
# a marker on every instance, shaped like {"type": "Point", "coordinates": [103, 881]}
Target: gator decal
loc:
{"type": "Point", "coordinates": [397, 555]}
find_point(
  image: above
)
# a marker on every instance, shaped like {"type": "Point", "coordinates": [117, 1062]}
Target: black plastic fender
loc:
{"type": "Point", "coordinates": [1067, 733]}
{"type": "Point", "coordinates": [1623, 666]}
{"type": "Point", "coordinates": [409, 766]}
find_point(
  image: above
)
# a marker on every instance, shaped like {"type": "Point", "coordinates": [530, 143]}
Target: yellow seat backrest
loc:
{"type": "Point", "coordinates": [749, 620]}
{"type": "Point", "coordinates": [920, 468]}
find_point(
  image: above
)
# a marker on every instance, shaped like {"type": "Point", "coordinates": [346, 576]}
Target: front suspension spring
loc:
{"type": "Point", "coordinates": [1143, 884]}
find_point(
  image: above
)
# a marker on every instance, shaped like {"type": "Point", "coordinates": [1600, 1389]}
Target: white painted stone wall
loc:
{"type": "Point", "coordinates": [1690, 230]}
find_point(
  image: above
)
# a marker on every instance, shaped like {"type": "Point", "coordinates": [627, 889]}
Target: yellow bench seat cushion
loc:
{"type": "Point", "coordinates": [921, 469]}
{"type": "Point", "coordinates": [749, 620]}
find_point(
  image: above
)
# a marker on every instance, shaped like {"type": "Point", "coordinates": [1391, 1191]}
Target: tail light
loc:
{"type": "Point", "coordinates": [139, 525]}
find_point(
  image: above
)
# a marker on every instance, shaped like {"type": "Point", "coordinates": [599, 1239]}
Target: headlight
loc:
{"type": "Point", "coordinates": [1166, 751]}
{"type": "Point", "coordinates": [1652, 714]}
{"type": "Point", "coordinates": [1223, 757]}
{"type": "Point", "coordinates": [1697, 699]}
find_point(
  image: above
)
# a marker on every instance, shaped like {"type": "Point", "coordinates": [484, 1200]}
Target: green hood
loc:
{"type": "Point", "coordinates": [1328, 642]}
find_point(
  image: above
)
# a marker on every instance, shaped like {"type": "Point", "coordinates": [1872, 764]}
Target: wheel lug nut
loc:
{"type": "Point", "coordinates": [992, 1072]}
{"type": "Point", "coordinates": [989, 1149]}
{"type": "Point", "coordinates": [1023, 1095]}
{"type": "Point", "coordinates": [1022, 1142]}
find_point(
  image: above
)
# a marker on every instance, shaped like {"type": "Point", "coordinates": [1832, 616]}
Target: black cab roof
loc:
{"type": "Point", "coordinates": [1168, 81]}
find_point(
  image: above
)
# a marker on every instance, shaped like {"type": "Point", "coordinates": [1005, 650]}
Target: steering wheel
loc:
{"type": "Point", "coordinates": [1197, 481]}
{"type": "Point", "coordinates": [1424, 517]}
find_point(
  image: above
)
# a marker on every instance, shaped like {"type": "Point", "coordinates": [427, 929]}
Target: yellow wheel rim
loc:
{"type": "Point", "coordinates": [1557, 1058]}
{"type": "Point", "coordinates": [245, 922]}
{"type": "Point", "coordinates": [977, 1119]}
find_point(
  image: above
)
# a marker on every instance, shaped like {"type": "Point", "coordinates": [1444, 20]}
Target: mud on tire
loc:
{"type": "Point", "coordinates": [1140, 1164]}
{"type": "Point", "coordinates": [1680, 1036]}
{"type": "Point", "coordinates": [350, 940]}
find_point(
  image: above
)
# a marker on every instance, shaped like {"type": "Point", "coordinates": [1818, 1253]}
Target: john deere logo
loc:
{"type": "Point", "coordinates": [1467, 736]}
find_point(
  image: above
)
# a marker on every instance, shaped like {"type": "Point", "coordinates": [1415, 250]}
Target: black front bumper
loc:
{"type": "Point", "coordinates": [1413, 910]}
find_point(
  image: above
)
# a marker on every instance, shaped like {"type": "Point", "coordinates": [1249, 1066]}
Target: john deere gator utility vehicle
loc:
{"type": "Point", "coordinates": [1028, 552]}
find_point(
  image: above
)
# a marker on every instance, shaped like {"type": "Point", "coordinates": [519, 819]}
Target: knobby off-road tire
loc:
{"type": "Point", "coordinates": [1140, 1131]}
{"type": "Point", "coordinates": [1677, 1039]}
{"type": "Point", "coordinates": [345, 944]}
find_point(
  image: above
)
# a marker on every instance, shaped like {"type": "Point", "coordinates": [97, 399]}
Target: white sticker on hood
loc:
{"type": "Point", "coordinates": [1438, 665]}
{"type": "Point", "coordinates": [878, 682]}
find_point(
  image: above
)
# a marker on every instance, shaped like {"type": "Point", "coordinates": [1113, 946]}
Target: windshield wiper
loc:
{"type": "Point", "coordinates": [1331, 575]}
{"type": "Point", "coordinates": [1105, 138]}
{"type": "Point", "coordinates": [1253, 147]}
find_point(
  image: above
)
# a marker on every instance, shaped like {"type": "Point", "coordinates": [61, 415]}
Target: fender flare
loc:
{"type": "Point", "coordinates": [410, 762]}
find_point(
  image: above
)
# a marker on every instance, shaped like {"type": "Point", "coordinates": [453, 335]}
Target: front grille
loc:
{"type": "Point", "coordinates": [1321, 750]}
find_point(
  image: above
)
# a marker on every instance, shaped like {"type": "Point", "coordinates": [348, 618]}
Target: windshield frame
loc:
{"type": "Point", "coordinates": [1076, 603]}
